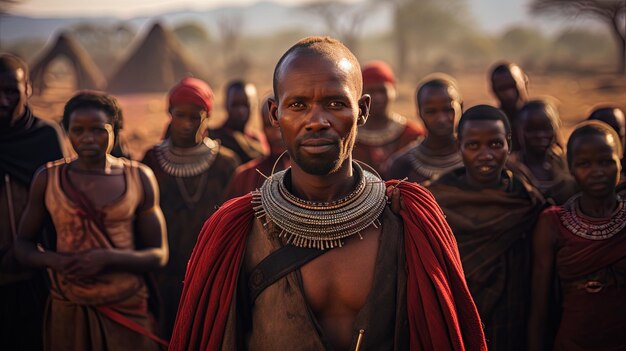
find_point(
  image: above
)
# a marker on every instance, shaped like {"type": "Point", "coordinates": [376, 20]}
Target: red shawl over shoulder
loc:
{"type": "Point", "coordinates": [442, 314]}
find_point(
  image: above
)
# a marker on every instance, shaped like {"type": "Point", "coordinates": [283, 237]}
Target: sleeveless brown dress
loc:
{"type": "Point", "coordinates": [73, 321]}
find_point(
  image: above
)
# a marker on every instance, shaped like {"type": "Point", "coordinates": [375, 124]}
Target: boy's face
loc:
{"type": "Point", "coordinates": [484, 149]}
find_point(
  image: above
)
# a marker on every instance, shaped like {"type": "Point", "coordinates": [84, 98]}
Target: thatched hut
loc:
{"type": "Point", "coordinates": [87, 73]}
{"type": "Point", "coordinates": [156, 64]}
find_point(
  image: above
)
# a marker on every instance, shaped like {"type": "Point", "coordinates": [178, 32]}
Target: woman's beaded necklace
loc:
{"type": "Point", "coordinates": [431, 167]}
{"type": "Point", "coordinates": [187, 162]}
{"type": "Point", "coordinates": [320, 225]}
{"type": "Point", "coordinates": [590, 228]}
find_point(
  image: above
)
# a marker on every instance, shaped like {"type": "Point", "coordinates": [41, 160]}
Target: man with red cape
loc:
{"type": "Point", "coordinates": [317, 259]}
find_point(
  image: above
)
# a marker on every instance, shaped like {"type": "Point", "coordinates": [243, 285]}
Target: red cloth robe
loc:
{"type": "Point", "coordinates": [441, 312]}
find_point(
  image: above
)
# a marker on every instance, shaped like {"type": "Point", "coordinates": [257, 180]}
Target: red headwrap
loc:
{"type": "Point", "coordinates": [376, 72]}
{"type": "Point", "coordinates": [192, 91]}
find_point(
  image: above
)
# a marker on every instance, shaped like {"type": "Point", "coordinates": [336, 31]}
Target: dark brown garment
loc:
{"type": "Point", "coordinates": [24, 147]}
{"type": "Point", "coordinates": [185, 220]}
{"type": "Point", "coordinates": [280, 318]}
{"type": "Point", "coordinates": [73, 327]}
{"type": "Point", "coordinates": [246, 147]}
{"type": "Point", "coordinates": [493, 230]}
{"type": "Point", "coordinates": [560, 188]}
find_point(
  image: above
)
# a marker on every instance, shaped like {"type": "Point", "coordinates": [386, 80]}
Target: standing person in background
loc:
{"type": "Point", "coordinates": [541, 158]}
{"type": "Point", "coordinates": [583, 244]}
{"type": "Point", "coordinates": [109, 232]}
{"type": "Point", "coordinates": [492, 214]}
{"type": "Point", "coordinates": [509, 85]}
{"type": "Point", "coordinates": [250, 176]}
{"type": "Point", "coordinates": [240, 100]}
{"type": "Point", "coordinates": [26, 143]}
{"type": "Point", "coordinates": [385, 131]}
{"type": "Point", "coordinates": [192, 172]}
{"type": "Point", "coordinates": [614, 117]}
{"type": "Point", "coordinates": [439, 105]}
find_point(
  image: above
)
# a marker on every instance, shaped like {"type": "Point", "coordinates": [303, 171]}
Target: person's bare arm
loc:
{"type": "Point", "coordinates": [31, 223]}
{"type": "Point", "coordinates": [150, 237]}
{"type": "Point", "coordinates": [544, 246]}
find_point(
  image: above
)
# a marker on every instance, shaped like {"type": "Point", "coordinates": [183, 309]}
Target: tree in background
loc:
{"type": "Point", "coordinates": [105, 43]}
{"type": "Point", "coordinates": [231, 33]}
{"type": "Point", "coordinates": [343, 20]}
{"type": "Point", "coordinates": [422, 27]}
{"type": "Point", "coordinates": [611, 12]}
{"type": "Point", "coordinates": [195, 38]}
{"type": "Point", "coordinates": [524, 45]}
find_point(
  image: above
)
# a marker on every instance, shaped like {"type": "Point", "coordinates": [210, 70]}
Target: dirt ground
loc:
{"type": "Point", "coordinates": [145, 115]}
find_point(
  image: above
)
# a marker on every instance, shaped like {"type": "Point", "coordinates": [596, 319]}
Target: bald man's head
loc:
{"type": "Point", "coordinates": [325, 48]}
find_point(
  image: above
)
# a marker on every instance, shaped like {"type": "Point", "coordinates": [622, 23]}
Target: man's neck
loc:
{"type": "Point", "coordinates": [14, 119]}
{"type": "Point", "coordinates": [324, 188]}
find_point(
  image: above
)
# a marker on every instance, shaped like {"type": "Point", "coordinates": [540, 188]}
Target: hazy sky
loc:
{"type": "Point", "coordinates": [122, 8]}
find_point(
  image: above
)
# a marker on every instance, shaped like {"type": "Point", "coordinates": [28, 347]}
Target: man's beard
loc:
{"type": "Point", "coordinates": [322, 164]}
{"type": "Point", "coordinates": [319, 165]}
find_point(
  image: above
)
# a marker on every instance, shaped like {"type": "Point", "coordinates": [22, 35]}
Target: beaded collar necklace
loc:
{"type": "Point", "coordinates": [431, 167]}
{"type": "Point", "coordinates": [591, 228]}
{"type": "Point", "coordinates": [320, 225]}
{"type": "Point", "coordinates": [395, 127]}
{"type": "Point", "coordinates": [186, 162]}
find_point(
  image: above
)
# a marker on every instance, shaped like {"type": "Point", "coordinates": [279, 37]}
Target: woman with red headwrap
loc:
{"type": "Point", "coordinates": [385, 131]}
{"type": "Point", "coordinates": [192, 172]}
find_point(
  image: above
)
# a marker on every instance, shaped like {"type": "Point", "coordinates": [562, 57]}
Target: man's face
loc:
{"type": "Point", "coordinates": [382, 94]}
{"type": "Point", "coordinates": [238, 108]}
{"type": "Point", "coordinates": [317, 109]}
{"type": "Point", "coordinates": [509, 87]}
{"type": "Point", "coordinates": [538, 134]}
{"type": "Point", "coordinates": [13, 95]}
{"type": "Point", "coordinates": [595, 164]}
{"type": "Point", "coordinates": [484, 149]}
{"type": "Point", "coordinates": [185, 124]}
{"type": "Point", "coordinates": [439, 108]}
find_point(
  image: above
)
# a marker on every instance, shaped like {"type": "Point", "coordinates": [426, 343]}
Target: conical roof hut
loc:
{"type": "Point", "coordinates": [88, 75]}
{"type": "Point", "coordinates": [156, 65]}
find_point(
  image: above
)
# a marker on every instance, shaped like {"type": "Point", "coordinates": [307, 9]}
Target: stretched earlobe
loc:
{"type": "Point", "coordinates": [272, 106]}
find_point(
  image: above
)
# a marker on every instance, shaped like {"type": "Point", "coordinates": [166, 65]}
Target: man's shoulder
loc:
{"type": "Point", "coordinates": [233, 213]}
{"type": "Point", "coordinates": [49, 128]}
